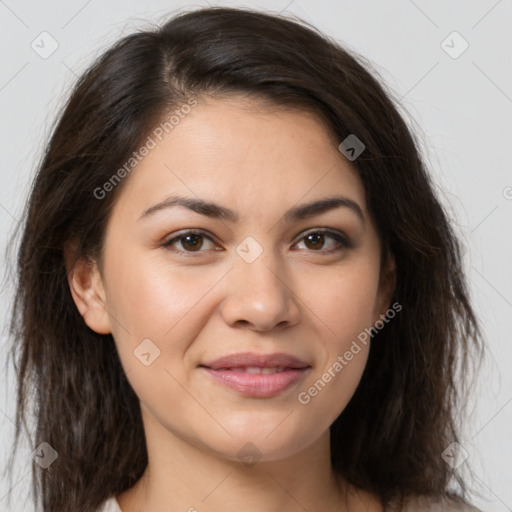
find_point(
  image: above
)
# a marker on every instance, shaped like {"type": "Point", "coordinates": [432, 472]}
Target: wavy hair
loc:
{"type": "Point", "coordinates": [404, 413]}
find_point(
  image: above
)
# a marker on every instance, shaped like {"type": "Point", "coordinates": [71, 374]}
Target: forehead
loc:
{"type": "Point", "coordinates": [243, 151]}
{"type": "Point", "coordinates": [236, 117]}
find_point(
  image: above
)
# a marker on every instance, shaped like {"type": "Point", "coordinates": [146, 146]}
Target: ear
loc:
{"type": "Point", "coordinates": [387, 283]}
{"type": "Point", "coordinates": [87, 290]}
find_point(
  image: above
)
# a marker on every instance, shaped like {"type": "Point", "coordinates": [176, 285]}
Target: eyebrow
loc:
{"type": "Point", "coordinates": [295, 214]}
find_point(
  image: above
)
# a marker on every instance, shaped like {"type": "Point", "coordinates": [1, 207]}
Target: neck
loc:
{"type": "Point", "coordinates": [183, 477]}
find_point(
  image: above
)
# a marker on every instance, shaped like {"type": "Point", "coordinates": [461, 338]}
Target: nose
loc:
{"type": "Point", "coordinates": [258, 297]}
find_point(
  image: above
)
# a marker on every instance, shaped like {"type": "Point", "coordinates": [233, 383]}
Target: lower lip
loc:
{"type": "Point", "coordinates": [258, 384]}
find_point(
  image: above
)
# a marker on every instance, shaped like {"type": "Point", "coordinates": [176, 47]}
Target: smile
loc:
{"type": "Point", "coordinates": [257, 382]}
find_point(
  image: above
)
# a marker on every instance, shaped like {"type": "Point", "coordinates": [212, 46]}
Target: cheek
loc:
{"type": "Point", "coordinates": [343, 300]}
{"type": "Point", "coordinates": [151, 298]}
{"type": "Point", "coordinates": [344, 307]}
{"type": "Point", "coordinates": [158, 310]}
{"type": "Point", "coordinates": [328, 392]}
{"type": "Point", "coordinates": [337, 375]}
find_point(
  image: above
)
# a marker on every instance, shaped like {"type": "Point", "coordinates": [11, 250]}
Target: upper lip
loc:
{"type": "Point", "coordinates": [253, 360]}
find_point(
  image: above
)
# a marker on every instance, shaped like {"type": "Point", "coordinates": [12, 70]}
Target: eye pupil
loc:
{"type": "Point", "coordinates": [317, 240]}
{"type": "Point", "coordinates": [194, 245]}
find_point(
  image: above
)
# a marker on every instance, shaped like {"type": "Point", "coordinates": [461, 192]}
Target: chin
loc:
{"type": "Point", "coordinates": [253, 444]}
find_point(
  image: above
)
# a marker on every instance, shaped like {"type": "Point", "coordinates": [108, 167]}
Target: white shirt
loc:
{"type": "Point", "coordinates": [110, 505]}
{"type": "Point", "coordinates": [420, 505]}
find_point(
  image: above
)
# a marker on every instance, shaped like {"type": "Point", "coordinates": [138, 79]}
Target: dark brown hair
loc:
{"type": "Point", "coordinates": [390, 437]}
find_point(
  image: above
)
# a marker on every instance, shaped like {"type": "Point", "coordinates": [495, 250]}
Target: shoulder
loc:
{"type": "Point", "coordinates": [433, 504]}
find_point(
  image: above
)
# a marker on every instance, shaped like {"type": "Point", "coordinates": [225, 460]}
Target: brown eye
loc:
{"type": "Point", "coordinates": [189, 242]}
{"type": "Point", "coordinates": [316, 241]}
{"type": "Point", "coordinates": [192, 242]}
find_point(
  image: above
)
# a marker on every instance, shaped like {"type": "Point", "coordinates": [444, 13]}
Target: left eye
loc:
{"type": "Point", "coordinates": [316, 239]}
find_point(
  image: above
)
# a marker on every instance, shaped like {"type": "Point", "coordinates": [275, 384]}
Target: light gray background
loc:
{"type": "Point", "coordinates": [462, 105]}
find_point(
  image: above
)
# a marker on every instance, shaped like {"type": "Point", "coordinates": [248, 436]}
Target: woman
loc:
{"type": "Point", "coordinates": [229, 214]}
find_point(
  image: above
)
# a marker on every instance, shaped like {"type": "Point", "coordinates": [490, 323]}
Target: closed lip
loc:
{"type": "Point", "coordinates": [254, 360]}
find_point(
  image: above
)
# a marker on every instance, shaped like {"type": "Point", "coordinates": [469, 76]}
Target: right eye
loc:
{"type": "Point", "coordinates": [191, 241]}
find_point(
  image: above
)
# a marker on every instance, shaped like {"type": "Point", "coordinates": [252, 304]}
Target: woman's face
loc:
{"type": "Point", "coordinates": [259, 280]}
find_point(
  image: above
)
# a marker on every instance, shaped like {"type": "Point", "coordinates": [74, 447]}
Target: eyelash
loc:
{"type": "Point", "coordinates": [343, 240]}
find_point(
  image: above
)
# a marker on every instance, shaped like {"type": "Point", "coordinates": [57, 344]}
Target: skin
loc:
{"type": "Point", "coordinates": [296, 298]}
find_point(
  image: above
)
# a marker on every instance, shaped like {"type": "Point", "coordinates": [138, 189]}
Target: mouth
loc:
{"type": "Point", "coordinates": [257, 375]}
{"type": "Point", "coordinates": [254, 369]}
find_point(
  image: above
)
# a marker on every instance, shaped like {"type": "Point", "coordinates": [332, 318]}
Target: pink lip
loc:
{"type": "Point", "coordinates": [230, 371]}
{"type": "Point", "coordinates": [245, 359]}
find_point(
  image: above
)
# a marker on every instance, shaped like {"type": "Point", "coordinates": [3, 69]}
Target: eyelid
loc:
{"type": "Point", "coordinates": [339, 236]}
{"type": "Point", "coordinates": [345, 241]}
{"type": "Point", "coordinates": [168, 244]}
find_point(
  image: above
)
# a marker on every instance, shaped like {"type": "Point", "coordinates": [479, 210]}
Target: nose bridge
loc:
{"type": "Point", "coordinates": [257, 292]}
